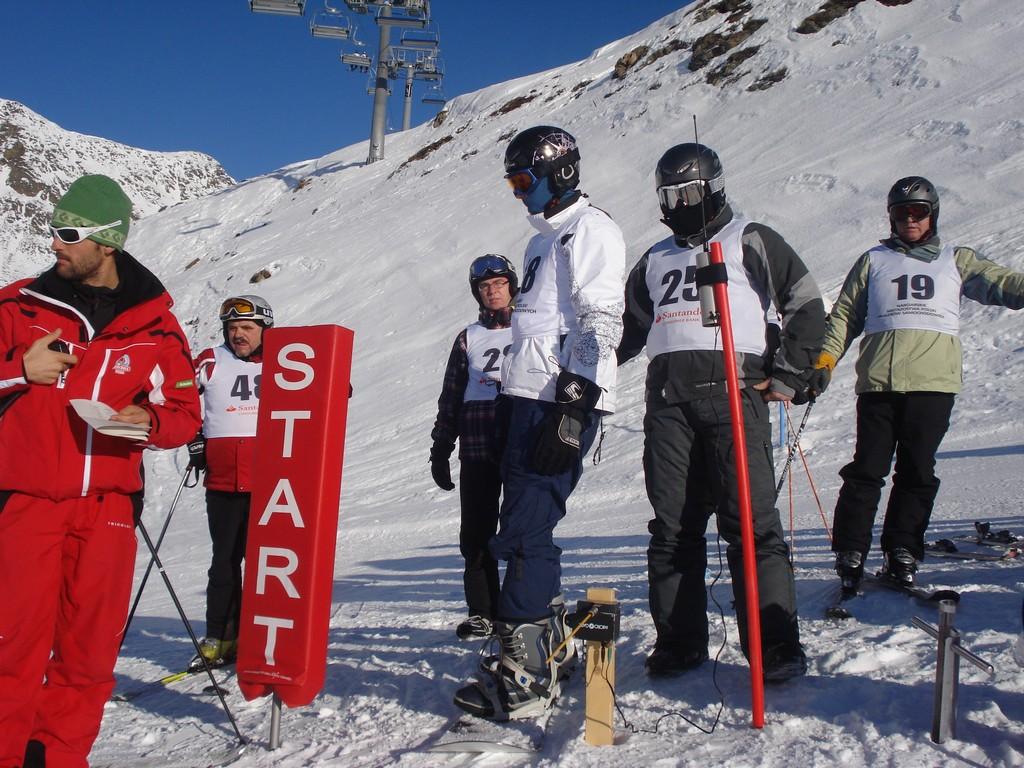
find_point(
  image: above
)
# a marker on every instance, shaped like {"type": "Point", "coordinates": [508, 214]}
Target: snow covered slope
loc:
{"type": "Point", "coordinates": [812, 129]}
{"type": "Point", "coordinates": [39, 159]}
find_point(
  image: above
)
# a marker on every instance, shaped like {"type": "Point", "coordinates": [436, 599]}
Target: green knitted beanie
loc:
{"type": "Point", "coordinates": [93, 201]}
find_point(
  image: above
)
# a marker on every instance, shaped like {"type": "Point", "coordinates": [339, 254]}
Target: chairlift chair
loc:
{"type": "Point", "coordinates": [328, 25]}
{"type": "Point", "coordinates": [359, 62]}
{"type": "Point", "coordinates": [282, 7]}
{"type": "Point", "coordinates": [434, 96]}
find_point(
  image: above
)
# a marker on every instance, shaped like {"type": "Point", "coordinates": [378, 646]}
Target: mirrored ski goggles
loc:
{"type": "Point", "coordinates": [72, 235]}
{"type": "Point", "coordinates": [912, 211]}
{"type": "Point", "coordinates": [488, 266]}
{"type": "Point", "coordinates": [521, 181]}
{"type": "Point", "coordinates": [688, 193]}
{"type": "Point", "coordinates": [240, 309]}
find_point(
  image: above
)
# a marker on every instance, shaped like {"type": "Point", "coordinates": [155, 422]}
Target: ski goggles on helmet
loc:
{"type": "Point", "coordinates": [243, 309]}
{"type": "Point", "coordinates": [490, 265]}
{"type": "Point", "coordinates": [72, 235]}
{"type": "Point", "coordinates": [521, 181]}
{"type": "Point", "coordinates": [912, 211]}
{"type": "Point", "coordinates": [688, 193]}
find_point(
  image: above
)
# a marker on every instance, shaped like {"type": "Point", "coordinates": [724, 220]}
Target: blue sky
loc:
{"type": "Point", "coordinates": [257, 91]}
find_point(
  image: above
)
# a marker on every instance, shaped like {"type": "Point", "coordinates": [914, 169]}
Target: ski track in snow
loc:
{"type": "Point", "coordinates": [879, 93]}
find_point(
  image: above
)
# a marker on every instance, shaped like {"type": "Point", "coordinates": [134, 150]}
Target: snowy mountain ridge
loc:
{"type": "Point", "coordinates": [812, 129]}
{"type": "Point", "coordinates": [39, 160]}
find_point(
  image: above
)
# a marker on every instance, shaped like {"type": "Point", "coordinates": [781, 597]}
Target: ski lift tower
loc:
{"type": "Point", "coordinates": [404, 14]}
{"type": "Point", "coordinates": [414, 63]}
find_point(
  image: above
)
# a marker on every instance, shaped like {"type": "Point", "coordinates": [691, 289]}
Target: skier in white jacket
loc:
{"type": "Point", "coordinates": [557, 380]}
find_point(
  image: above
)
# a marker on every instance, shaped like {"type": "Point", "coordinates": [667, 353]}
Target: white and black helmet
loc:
{"type": "Point", "coordinates": [248, 307]}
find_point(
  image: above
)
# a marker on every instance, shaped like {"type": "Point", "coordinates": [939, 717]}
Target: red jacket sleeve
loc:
{"type": "Point", "coordinates": [173, 396]}
{"type": "Point", "coordinates": [12, 375]}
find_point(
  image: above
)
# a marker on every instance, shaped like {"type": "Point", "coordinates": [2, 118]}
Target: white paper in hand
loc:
{"type": "Point", "coordinates": [97, 415]}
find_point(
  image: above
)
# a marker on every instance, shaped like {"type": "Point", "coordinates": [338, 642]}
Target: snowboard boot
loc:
{"type": "Point", "coordinates": [567, 659]}
{"type": "Point", "coordinates": [521, 683]}
{"type": "Point", "coordinates": [899, 566]}
{"type": "Point", "coordinates": [216, 652]}
{"type": "Point", "coordinates": [850, 567]}
{"type": "Point", "coordinates": [475, 627]}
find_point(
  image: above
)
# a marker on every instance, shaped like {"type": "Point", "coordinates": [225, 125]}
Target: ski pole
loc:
{"type": "Point", "coordinates": [159, 541]}
{"type": "Point", "coordinates": [792, 448]}
{"type": "Point", "coordinates": [191, 633]}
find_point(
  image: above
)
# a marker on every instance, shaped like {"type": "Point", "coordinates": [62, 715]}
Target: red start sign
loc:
{"type": "Point", "coordinates": [293, 514]}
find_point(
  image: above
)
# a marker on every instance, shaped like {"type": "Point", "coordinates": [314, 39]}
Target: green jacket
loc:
{"type": "Point", "coordinates": [913, 360]}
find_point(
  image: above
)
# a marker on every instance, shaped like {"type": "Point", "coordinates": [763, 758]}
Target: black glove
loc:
{"type": "Point", "coordinates": [197, 453]}
{"type": "Point", "coordinates": [818, 381]}
{"type": "Point", "coordinates": [559, 436]}
{"type": "Point", "coordinates": [439, 468]}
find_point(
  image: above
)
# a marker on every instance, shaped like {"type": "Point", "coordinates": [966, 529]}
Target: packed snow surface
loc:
{"type": "Point", "coordinates": [931, 88]}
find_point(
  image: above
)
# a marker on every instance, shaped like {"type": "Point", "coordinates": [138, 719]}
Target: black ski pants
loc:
{"type": "Point", "coordinates": [479, 494]}
{"type": "Point", "coordinates": [228, 516]}
{"type": "Point", "coordinates": [911, 425]}
{"type": "Point", "coordinates": [690, 473]}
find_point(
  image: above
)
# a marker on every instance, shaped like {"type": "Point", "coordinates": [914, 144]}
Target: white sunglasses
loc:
{"type": "Point", "coordinates": [688, 193]}
{"type": "Point", "coordinates": [72, 235]}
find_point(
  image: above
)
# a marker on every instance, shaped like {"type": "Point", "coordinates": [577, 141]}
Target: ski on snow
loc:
{"type": "Point", "coordinates": [215, 759]}
{"type": "Point", "coordinates": [162, 683]}
{"type": "Point", "coordinates": [837, 605]}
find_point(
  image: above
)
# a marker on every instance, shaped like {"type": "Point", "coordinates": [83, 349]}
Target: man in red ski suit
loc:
{"type": "Point", "coordinates": [95, 326]}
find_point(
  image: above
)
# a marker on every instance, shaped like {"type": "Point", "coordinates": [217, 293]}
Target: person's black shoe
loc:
{"type": "Point", "coordinates": [784, 662]}
{"type": "Point", "coordinates": [899, 566]}
{"type": "Point", "coordinates": [850, 568]}
{"type": "Point", "coordinates": [671, 661]}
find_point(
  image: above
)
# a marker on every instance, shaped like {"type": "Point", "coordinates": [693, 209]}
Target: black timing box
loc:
{"type": "Point", "coordinates": [602, 627]}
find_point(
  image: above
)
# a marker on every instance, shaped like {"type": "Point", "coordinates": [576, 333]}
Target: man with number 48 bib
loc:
{"type": "Point", "coordinates": [229, 380]}
{"type": "Point", "coordinates": [904, 296]}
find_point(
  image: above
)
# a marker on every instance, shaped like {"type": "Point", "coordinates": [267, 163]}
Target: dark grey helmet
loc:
{"type": "Point", "coordinates": [915, 189]}
{"type": "Point", "coordinates": [690, 175]}
{"type": "Point", "coordinates": [546, 151]}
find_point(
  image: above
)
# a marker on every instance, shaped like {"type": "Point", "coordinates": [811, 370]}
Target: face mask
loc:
{"type": "Point", "coordinates": [685, 221]}
{"type": "Point", "coordinates": [538, 196]}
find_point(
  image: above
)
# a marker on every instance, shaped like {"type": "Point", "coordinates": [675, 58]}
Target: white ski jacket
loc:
{"type": "Point", "coordinates": [568, 313]}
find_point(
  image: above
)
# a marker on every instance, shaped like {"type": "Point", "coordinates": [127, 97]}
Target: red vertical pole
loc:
{"type": "Point", "coordinates": [743, 494]}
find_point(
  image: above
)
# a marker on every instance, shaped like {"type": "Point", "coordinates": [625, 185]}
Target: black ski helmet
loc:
{"type": "Point", "coordinates": [492, 265]}
{"type": "Point", "coordinates": [691, 187]}
{"type": "Point", "coordinates": [914, 189]}
{"type": "Point", "coordinates": [688, 163]}
{"type": "Point", "coordinates": [547, 152]}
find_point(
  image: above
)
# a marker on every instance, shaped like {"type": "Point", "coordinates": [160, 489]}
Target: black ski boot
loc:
{"type": "Point", "coordinates": [850, 567]}
{"type": "Point", "coordinates": [521, 683]}
{"type": "Point", "coordinates": [899, 566]}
